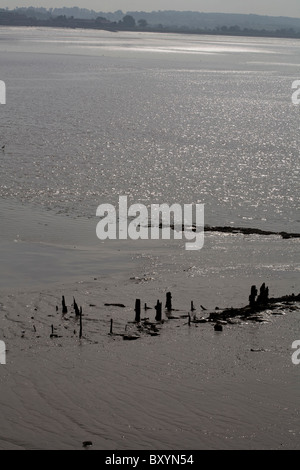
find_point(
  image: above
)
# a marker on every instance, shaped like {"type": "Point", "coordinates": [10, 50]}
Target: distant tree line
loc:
{"type": "Point", "coordinates": [29, 17]}
{"type": "Point", "coordinates": [43, 17]}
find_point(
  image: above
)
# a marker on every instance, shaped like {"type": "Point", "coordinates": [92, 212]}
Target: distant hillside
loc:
{"type": "Point", "coordinates": [196, 20]}
{"type": "Point", "coordinates": [156, 21]}
{"type": "Point", "coordinates": [181, 19]}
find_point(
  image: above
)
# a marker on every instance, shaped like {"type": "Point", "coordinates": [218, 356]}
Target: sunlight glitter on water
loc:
{"type": "Point", "coordinates": [82, 130]}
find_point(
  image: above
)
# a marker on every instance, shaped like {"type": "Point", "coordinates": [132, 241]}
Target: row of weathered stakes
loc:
{"type": "Point", "coordinates": [257, 303]}
{"type": "Point", "coordinates": [78, 313]}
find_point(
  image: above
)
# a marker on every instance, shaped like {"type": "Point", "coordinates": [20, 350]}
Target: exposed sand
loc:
{"type": "Point", "coordinates": [188, 388]}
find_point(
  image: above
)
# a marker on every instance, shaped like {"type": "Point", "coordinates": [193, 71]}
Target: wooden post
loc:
{"type": "Point", "coordinates": [64, 307]}
{"type": "Point", "coordinates": [137, 310]}
{"type": "Point", "coordinates": [263, 295]}
{"type": "Point", "coordinates": [267, 295]}
{"type": "Point", "coordinates": [252, 296]}
{"type": "Point", "coordinates": [169, 302]}
{"type": "Point", "coordinates": [192, 306]}
{"type": "Point", "coordinates": [111, 326]}
{"type": "Point", "coordinates": [158, 309]}
{"type": "Point", "coordinates": [189, 323]}
{"type": "Point", "coordinates": [52, 332]}
{"type": "Point", "coordinates": [77, 313]}
{"type": "Point", "coordinates": [80, 319]}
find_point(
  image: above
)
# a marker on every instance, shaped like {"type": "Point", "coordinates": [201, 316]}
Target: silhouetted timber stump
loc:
{"type": "Point", "coordinates": [252, 297]}
{"type": "Point", "coordinates": [76, 309]}
{"type": "Point", "coordinates": [169, 302]}
{"type": "Point", "coordinates": [64, 307]}
{"type": "Point", "coordinates": [263, 297]}
{"type": "Point", "coordinates": [158, 309]}
{"type": "Point", "coordinates": [137, 310]}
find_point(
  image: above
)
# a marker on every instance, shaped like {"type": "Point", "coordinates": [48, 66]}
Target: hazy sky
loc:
{"type": "Point", "coordinates": [261, 7]}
